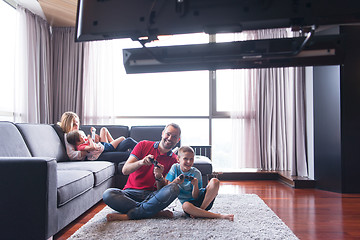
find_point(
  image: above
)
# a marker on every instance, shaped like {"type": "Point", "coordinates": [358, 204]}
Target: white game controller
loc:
{"type": "Point", "coordinates": [93, 131]}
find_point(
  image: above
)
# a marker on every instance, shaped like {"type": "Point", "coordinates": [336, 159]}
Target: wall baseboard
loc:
{"type": "Point", "coordinates": [282, 176]}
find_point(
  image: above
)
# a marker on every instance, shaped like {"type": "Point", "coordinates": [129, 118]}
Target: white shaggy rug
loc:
{"type": "Point", "coordinates": [253, 220]}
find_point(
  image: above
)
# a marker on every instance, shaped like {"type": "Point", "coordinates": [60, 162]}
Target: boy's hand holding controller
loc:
{"type": "Point", "coordinates": [179, 180]}
{"type": "Point", "coordinates": [190, 178]}
{"type": "Point", "coordinates": [194, 181]}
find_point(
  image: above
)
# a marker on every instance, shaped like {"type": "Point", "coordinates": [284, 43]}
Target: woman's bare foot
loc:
{"type": "Point", "coordinates": [228, 216]}
{"type": "Point", "coordinates": [165, 214]}
{"type": "Point", "coordinates": [116, 217]}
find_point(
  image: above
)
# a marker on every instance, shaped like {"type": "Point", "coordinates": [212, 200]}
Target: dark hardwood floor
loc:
{"type": "Point", "coordinates": [309, 213]}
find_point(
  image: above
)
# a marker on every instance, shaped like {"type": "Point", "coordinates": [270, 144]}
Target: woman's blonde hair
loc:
{"type": "Point", "coordinates": [67, 121]}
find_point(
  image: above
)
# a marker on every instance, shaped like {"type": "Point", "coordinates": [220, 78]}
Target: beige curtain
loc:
{"type": "Point", "coordinates": [68, 77]}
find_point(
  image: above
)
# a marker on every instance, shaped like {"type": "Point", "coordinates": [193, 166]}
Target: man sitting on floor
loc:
{"type": "Point", "coordinates": [146, 192]}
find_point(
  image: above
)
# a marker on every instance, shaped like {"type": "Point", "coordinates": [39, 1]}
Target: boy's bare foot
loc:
{"type": "Point", "coordinates": [228, 216]}
{"type": "Point", "coordinates": [116, 217]}
{"type": "Point", "coordinates": [165, 214]}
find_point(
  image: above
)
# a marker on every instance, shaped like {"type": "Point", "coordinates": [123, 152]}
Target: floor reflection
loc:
{"type": "Point", "coordinates": [309, 213]}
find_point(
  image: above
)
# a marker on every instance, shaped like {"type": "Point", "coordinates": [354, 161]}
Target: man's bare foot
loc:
{"type": "Point", "coordinates": [116, 217]}
{"type": "Point", "coordinates": [228, 216]}
{"type": "Point", "coordinates": [165, 214]}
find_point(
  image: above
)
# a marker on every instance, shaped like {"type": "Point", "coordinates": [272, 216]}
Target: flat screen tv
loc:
{"type": "Point", "coordinates": [109, 19]}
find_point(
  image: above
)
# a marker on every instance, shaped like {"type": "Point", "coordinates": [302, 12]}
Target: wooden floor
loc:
{"type": "Point", "coordinates": [309, 213]}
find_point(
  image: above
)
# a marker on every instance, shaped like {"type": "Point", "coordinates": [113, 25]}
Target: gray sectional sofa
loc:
{"type": "Point", "coordinates": [42, 191]}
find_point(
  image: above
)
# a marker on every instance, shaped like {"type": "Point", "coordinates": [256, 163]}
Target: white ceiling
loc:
{"type": "Point", "coordinates": [33, 6]}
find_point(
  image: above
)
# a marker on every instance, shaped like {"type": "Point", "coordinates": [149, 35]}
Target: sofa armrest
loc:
{"type": "Point", "coordinates": [28, 197]}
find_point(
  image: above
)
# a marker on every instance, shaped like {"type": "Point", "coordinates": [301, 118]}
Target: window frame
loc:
{"type": "Point", "coordinates": [213, 112]}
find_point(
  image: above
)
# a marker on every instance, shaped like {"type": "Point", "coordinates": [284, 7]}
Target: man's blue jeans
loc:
{"type": "Point", "coordinates": [138, 204]}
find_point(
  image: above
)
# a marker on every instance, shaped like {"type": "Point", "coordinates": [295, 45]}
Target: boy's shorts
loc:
{"type": "Point", "coordinates": [108, 147]}
{"type": "Point", "coordinates": [197, 202]}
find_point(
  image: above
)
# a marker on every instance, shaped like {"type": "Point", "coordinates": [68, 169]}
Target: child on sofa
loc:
{"type": "Point", "coordinates": [196, 201]}
{"type": "Point", "coordinates": [82, 143]}
{"type": "Point", "coordinates": [70, 121]}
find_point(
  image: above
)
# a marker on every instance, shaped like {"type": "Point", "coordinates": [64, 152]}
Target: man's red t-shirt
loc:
{"type": "Point", "coordinates": [143, 178]}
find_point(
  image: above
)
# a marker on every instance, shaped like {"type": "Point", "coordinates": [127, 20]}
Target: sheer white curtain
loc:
{"type": "Point", "coordinates": [245, 134]}
{"type": "Point", "coordinates": [103, 67]}
{"type": "Point", "coordinates": [268, 115]}
{"type": "Point", "coordinates": [33, 71]}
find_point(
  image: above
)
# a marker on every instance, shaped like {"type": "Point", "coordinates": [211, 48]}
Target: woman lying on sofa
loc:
{"type": "Point", "coordinates": [70, 121]}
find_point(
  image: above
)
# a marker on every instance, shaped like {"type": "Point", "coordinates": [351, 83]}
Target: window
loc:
{"type": "Point", "coordinates": [223, 89]}
{"type": "Point", "coordinates": [7, 61]}
{"type": "Point", "coordinates": [149, 98]}
{"type": "Point", "coordinates": [199, 101]}
{"type": "Point", "coordinates": [165, 94]}
{"type": "Point", "coordinates": [222, 105]}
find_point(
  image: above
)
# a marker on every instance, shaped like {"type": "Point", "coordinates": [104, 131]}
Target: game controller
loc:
{"type": "Point", "coordinates": [155, 162]}
{"type": "Point", "coordinates": [93, 131]}
{"type": "Point", "coordinates": [190, 178]}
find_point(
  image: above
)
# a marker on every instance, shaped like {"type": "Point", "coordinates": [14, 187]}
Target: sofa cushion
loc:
{"type": "Point", "coordinates": [151, 133]}
{"type": "Point", "coordinates": [115, 130]}
{"type": "Point", "coordinates": [101, 170]}
{"type": "Point", "coordinates": [12, 143]}
{"type": "Point", "coordinates": [72, 183]}
{"type": "Point", "coordinates": [59, 132]}
{"type": "Point", "coordinates": [203, 164]}
{"type": "Point", "coordinates": [42, 141]}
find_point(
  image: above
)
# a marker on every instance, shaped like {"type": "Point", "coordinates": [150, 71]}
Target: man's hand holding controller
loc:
{"type": "Point", "coordinates": [158, 169]}
{"type": "Point", "coordinates": [153, 161]}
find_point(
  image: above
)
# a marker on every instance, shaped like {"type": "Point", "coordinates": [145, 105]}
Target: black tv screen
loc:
{"type": "Point", "coordinates": [109, 19]}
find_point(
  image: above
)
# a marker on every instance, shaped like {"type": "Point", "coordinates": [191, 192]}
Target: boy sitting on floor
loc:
{"type": "Point", "coordinates": [196, 201]}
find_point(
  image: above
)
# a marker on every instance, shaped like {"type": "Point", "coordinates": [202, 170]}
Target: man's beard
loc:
{"type": "Point", "coordinates": [167, 144]}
